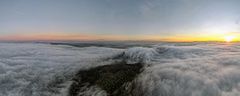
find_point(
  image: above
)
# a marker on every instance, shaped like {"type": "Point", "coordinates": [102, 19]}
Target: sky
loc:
{"type": "Point", "coordinates": [163, 20]}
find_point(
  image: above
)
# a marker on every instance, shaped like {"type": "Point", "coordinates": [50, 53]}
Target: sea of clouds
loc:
{"type": "Point", "coordinates": [199, 70]}
{"type": "Point", "coordinates": [42, 69]}
{"type": "Point", "coordinates": [174, 69]}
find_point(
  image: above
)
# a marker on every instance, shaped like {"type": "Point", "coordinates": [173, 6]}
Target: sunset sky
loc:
{"type": "Point", "coordinates": [163, 20]}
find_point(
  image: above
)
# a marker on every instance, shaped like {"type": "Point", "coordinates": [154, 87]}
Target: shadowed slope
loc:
{"type": "Point", "coordinates": [111, 78]}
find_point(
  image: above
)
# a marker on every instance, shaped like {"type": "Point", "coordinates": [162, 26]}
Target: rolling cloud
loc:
{"type": "Point", "coordinates": [172, 69]}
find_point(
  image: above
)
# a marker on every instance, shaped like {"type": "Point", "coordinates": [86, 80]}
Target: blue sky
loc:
{"type": "Point", "coordinates": [162, 18]}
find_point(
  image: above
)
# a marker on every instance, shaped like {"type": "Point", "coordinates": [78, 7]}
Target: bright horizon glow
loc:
{"type": "Point", "coordinates": [229, 38]}
{"type": "Point", "coordinates": [91, 37]}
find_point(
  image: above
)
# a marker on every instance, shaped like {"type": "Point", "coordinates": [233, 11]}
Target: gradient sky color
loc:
{"type": "Point", "coordinates": [169, 20]}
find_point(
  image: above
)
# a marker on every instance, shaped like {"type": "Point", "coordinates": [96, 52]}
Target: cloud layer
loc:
{"type": "Point", "coordinates": [199, 70]}
{"type": "Point", "coordinates": [172, 69]}
{"type": "Point", "coordinates": [42, 69]}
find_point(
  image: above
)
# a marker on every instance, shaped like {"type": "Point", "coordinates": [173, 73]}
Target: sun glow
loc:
{"type": "Point", "coordinates": [229, 38]}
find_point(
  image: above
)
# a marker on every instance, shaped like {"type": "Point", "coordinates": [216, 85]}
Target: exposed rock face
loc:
{"type": "Point", "coordinates": [108, 80]}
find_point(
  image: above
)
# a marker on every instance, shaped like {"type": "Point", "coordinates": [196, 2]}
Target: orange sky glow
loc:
{"type": "Point", "coordinates": [92, 37]}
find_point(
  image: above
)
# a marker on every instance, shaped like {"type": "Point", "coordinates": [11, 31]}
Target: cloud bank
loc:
{"type": "Point", "coordinates": [172, 69]}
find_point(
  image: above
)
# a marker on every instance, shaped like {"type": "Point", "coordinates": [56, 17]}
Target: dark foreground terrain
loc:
{"type": "Point", "coordinates": [114, 79]}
